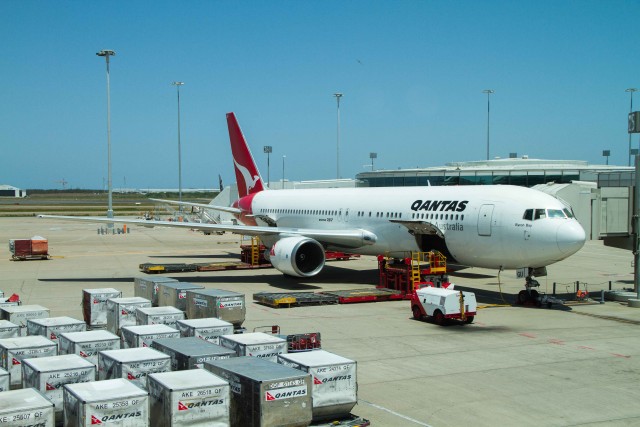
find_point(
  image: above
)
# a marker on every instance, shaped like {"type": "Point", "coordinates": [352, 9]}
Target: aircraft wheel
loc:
{"type": "Point", "coordinates": [438, 317]}
{"type": "Point", "coordinates": [523, 296]}
{"type": "Point", "coordinates": [417, 314]}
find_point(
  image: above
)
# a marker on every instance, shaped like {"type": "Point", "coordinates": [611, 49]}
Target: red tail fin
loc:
{"type": "Point", "coordinates": [247, 175]}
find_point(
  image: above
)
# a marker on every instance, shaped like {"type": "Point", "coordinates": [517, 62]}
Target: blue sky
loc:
{"type": "Point", "coordinates": [412, 75]}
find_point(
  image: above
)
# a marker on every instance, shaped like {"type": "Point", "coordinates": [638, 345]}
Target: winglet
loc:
{"type": "Point", "coordinates": [247, 175]}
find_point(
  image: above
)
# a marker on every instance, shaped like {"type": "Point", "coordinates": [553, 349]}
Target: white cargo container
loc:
{"type": "Point", "coordinates": [5, 380]}
{"type": "Point", "coordinates": [133, 364]}
{"type": "Point", "coordinates": [175, 293]}
{"type": "Point", "coordinates": [88, 344]}
{"type": "Point", "coordinates": [147, 287]}
{"type": "Point", "coordinates": [188, 398]}
{"type": "Point", "coordinates": [26, 408]}
{"type": "Point", "coordinates": [264, 393]}
{"type": "Point", "coordinates": [122, 312]}
{"type": "Point", "coordinates": [14, 350]}
{"type": "Point", "coordinates": [94, 306]}
{"type": "Point", "coordinates": [159, 316]}
{"type": "Point", "coordinates": [208, 329]}
{"type": "Point", "coordinates": [144, 335]}
{"type": "Point", "coordinates": [335, 385]}
{"type": "Point", "coordinates": [52, 327]}
{"type": "Point", "coordinates": [255, 344]}
{"type": "Point", "coordinates": [4, 302]}
{"type": "Point", "coordinates": [225, 305]}
{"type": "Point", "coordinates": [48, 375]}
{"type": "Point", "coordinates": [8, 329]}
{"type": "Point", "coordinates": [191, 352]}
{"type": "Point", "coordinates": [20, 314]}
{"type": "Point", "coordinates": [113, 402]}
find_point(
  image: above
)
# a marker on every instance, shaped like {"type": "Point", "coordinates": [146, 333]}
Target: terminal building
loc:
{"type": "Point", "coordinates": [600, 195]}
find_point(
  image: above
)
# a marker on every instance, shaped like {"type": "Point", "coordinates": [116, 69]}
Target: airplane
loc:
{"type": "Point", "coordinates": [494, 226]}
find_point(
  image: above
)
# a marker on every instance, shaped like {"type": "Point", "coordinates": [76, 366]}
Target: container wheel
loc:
{"type": "Point", "coordinates": [417, 314]}
{"type": "Point", "coordinates": [438, 317]}
{"type": "Point", "coordinates": [469, 319]}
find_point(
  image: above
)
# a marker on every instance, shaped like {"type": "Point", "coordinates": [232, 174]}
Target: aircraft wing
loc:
{"type": "Point", "coordinates": [348, 238]}
{"type": "Point", "coordinates": [200, 205]}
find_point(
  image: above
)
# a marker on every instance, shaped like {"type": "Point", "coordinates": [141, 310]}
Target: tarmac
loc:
{"type": "Point", "coordinates": [527, 366]}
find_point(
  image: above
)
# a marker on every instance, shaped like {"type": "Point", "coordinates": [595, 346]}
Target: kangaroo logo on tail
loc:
{"type": "Point", "coordinates": [247, 175]}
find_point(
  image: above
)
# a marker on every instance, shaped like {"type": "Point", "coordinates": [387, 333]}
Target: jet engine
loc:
{"type": "Point", "coordinates": [297, 256]}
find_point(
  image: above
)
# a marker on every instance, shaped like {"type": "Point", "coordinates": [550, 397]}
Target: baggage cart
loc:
{"type": "Point", "coordinates": [191, 353]}
{"type": "Point", "coordinates": [133, 364]}
{"type": "Point", "coordinates": [88, 344]}
{"type": "Point", "coordinates": [14, 350]}
{"type": "Point", "coordinates": [255, 344]}
{"type": "Point", "coordinates": [159, 316]}
{"type": "Point", "coordinates": [144, 335]}
{"type": "Point", "coordinates": [25, 408]}
{"type": "Point", "coordinates": [226, 305]}
{"type": "Point", "coordinates": [175, 294]}
{"type": "Point", "coordinates": [94, 306]}
{"type": "Point", "coordinates": [122, 312]}
{"type": "Point", "coordinates": [208, 329]}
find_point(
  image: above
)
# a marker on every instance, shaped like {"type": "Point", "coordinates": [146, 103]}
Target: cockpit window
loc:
{"type": "Point", "coordinates": [568, 213]}
{"type": "Point", "coordinates": [540, 214]}
{"type": "Point", "coordinates": [528, 215]}
{"type": "Point", "coordinates": [555, 213]}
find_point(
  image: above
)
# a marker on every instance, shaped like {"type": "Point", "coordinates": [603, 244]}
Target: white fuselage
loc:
{"type": "Point", "coordinates": [483, 226]}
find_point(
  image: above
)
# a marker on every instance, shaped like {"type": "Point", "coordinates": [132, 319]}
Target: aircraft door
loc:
{"type": "Point", "coordinates": [485, 216]}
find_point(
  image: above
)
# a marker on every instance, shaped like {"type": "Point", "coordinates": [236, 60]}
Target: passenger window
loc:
{"type": "Point", "coordinates": [528, 215]}
{"type": "Point", "coordinates": [540, 214]}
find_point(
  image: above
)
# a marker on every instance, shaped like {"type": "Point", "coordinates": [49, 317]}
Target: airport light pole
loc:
{"type": "Point", "coordinates": [630, 90]}
{"type": "Point", "coordinates": [283, 157]}
{"type": "Point", "coordinates": [338, 96]}
{"type": "Point", "coordinates": [177, 85]}
{"type": "Point", "coordinates": [488, 92]}
{"type": "Point", "coordinates": [372, 156]}
{"type": "Point", "coordinates": [108, 53]}
{"type": "Point", "coordinates": [268, 150]}
{"type": "Point", "coordinates": [606, 154]}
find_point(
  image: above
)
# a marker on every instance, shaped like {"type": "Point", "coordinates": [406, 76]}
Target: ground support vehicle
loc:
{"type": "Point", "coordinates": [443, 304]}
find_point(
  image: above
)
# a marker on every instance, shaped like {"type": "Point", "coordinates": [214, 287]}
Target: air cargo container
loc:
{"type": "Point", "coordinates": [188, 398]}
{"type": "Point", "coordinates": [14, 350]}
{"type": "Point", "coordinates": [132, 364]}
{"type": "Point", "coordinates": [208, 329]}
{"type": "Point", "coordinates": [113, 402]}
{"type": "Point", "coordinates": [122, 312]}
{"type": "Point", "coordinates": [10, 301]}
{"type": "Point", "coordinates": [191, 353]}
{"type": "Point", "coordinates": [335, 386]}
{"type": "Point", "coordinates": [147, 287]}
{"type": "Point", "coordinates": [144, 335]}
{"type": "Point", "coordinates": [94, 306]}
{"type": "Point", "coordinates": [8, 329]}
{"type": "Point", "coordinates": [35, 248]}
{"type": "Point", "coordinates": [26, 408]}
{"type": "Point", "coordinates": [20, 314]}
{"type": "Point", "coordinates": [225, 305]}
{"type": "Point", "coordinates": [88, 344]}
{"type": "Point", "coordinates": [52, 327]}
{"type": "Point", "coordinates": [264, 393]}
{"type": "Point", "coordinates": [255, 344]}
{"type": "Point", "coordinates": [159, 316]}
{"type": "Point", "coordinates": [5, 380]}
{"type": "Point", "coordinates": [175, 294]}
{"type": "Point", "coordinates": [48, 375]}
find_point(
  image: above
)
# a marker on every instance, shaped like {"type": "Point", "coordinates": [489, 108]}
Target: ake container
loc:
{"type": "Point", "coordinates": [191, 353]}
{"type": "Point", "coordinates": [14, 350]}
{"type": "Point", "coordinates": [147, 287]}
{"type": "Point", "coordinates": [159, 316]}
{"type": "Point", "coordinates": [175, 293]}
{"type": "Point", "coordinates": [48, 375]}
{"type": "Point", "coordinates": [208, 329]}
{"type": "Point", "coordinates": [20, 314]}
{"type": "Point", "coordinates": [5, 380]}
{"type": "Point", "coordinates": [26, 408]}
{"type": "Point", "coordinates": [255, 344]}
{"type": "Point", "coordinates": [9, 329]}
{"type": "Point", "coordinates": [133, 364]}
{"type": "Point", "coordinates": [144, 335]}
{"type": "Point", "coordinates": [88, 344]}
{"type": "Point", "coordinates": [122, 312]}
{"type": "Point", "coordinates": [94, 306]}
{"type": "Point", "coordinates": [188, 398]}
{"type": "Point", "coordinates": [334, 381]}
{"type": "Point", "coordinates": [226, 305]}
{"type": "Point", "coordinates": [264, 393]}
{"type": "Point", "coordinates": [110, 403]}
{"type": "Point", "coordinates": [52, 327]}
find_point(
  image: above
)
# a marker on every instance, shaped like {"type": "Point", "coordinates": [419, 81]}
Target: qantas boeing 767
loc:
{"type": "Point", "coordinates": [501, 226]}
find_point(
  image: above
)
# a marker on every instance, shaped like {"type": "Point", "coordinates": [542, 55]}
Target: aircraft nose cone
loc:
{"type": "Point", "coordinates": [570, 237]}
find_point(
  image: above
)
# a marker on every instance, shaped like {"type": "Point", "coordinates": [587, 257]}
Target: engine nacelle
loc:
{"type": "Point", "coordinates": [297, 256]}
